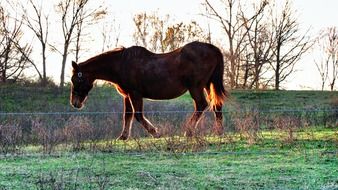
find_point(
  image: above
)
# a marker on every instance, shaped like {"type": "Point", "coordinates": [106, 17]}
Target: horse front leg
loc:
{"type": "Point", "coordinates": [127, 119]}
{"type": "Point", "coordinates": [137, 103]}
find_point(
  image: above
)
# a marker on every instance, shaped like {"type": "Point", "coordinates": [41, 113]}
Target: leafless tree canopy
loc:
{"type": "Point", "coordinates": [111, 31]}
{"type": "Point", "coordinates": [75, 15]}
{"type": "Point", "coordinates": [38, 23]}
{"type": "Point", "coordinates": [158, 35]}
{"type": "Point", "coordinates": [236, 26]}
{"type": "Point", "coordinates": [13, 52]}
{"type": "Point", "coordinates": [327, 65]}
{"type": "Point", "coordinates": [258, 42]}
{"type": "Point", "coordinates": [290, 44]}
{"type": "Point", "coordinates": [257, 46]}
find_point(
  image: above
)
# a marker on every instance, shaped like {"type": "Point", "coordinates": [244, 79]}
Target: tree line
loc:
{"type": "Point", "coordinates": [262, 41]}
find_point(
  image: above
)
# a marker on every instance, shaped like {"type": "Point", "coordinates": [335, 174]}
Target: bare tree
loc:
{"type": "Point", "coordinates": [87, 17]}
{"type": "Point", "coordinates": [290, 45]}
{"type": "Point", "coordinates": [258, 52]}
{"type": "Point", "coordinates": [321, 62]}
{"type": "Point", "coordinates": [178, 34]}
{"type": "Point", "coordinates": [157, 34]}
{"type": "Point", "coordinates": [37, 22]}
{"type": "Point", "coordinates": [150, 31]}
{"type": "Point", "coordinates": [13, 55]}
{"type": "Point", "coordinates": [328, 65]}
{"type": "Point", "coordinates": [332, 53]}
{"type": "Point", "coordinates": [110, 34]}
{"type": "Point", "coordinates": [231, 20]}
{"type": "Point", "coordinates": [74, 16]}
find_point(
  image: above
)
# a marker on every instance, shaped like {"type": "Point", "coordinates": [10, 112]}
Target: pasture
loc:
{"type": "Point", "coordinates": [273, 140]}
{"type": "Point", "coordinates": [310, 162]}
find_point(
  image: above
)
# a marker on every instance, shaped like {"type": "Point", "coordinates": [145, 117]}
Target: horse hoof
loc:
{"type": "Point", "coordinates": [218, 131]}
{"type": "Point", "coordinates": [123, 138]}
{"type": "Point", "coordinates": [188, 134]}
{"type": "Point", "coordinates": [157, 135]}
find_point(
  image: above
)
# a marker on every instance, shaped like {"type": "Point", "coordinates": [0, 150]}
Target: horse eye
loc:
{"type": "Point", "coordinates": [79, 74]}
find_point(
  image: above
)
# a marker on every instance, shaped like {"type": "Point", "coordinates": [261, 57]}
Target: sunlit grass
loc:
{"type": "Point", "coordinates": [228, 162]}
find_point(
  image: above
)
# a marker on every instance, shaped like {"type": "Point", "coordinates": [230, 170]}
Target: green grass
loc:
{"type": "Point", "coordinates": [270, 99]}
{"type": "Point", "coordinates": [308, 162]}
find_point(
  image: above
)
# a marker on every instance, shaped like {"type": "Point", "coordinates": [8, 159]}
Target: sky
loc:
{"type": "Point", "coordinates": [313, 14]}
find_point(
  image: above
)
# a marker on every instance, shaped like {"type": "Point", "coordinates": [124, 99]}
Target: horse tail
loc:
{"type": "Point", "coordinates": [215, 89]}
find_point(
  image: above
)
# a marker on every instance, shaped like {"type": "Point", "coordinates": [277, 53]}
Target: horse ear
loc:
{"type": "Point", "coordinates": [75, 66]}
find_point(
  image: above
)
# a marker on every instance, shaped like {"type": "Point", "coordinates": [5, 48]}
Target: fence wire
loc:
{"type": "Point", "coordinates": [167, 112]}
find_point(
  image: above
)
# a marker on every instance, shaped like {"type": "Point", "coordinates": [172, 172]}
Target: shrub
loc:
{"type": "Point", "coordinates": [287, 126]}
{"type": "Point", "coordinates": [248, 126]}
{"type": "Point", "coordinates": [78, 130]}
{"type": "Point", "coordinates": [47, 136]}
{"type": "Point", "coordinates": [10, 138]}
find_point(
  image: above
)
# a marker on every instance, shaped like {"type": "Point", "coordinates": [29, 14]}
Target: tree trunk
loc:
{"type": "Point", "coordinates": [246, 74]}
{"type": "Point", "coordinates": [44, 72]}
{"type": "Point", "coordinates": [278, 65]}
{"type": "Point", "coordinates": [277, 80]}
{"type": "Point", "coordinates": [232, 66]}
{"type": "Point", "coordinates": [257, 71]}
{"type": "Point", "coordinates": [64, 59]}
{"type": "Point", "coordinates": [332, 84]}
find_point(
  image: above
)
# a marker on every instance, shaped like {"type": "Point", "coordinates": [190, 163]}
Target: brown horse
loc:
{"type": "Point", "coordinates": [138, 73]}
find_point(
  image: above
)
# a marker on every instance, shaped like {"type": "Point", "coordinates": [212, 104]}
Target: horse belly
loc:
{"type": "Point", "coordinates": [164, 92]}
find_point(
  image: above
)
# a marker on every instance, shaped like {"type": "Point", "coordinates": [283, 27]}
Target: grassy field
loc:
{"type": "Point", "coordinates": [299, 151]}
{"type": "Point", "coordinates": [308, 162]}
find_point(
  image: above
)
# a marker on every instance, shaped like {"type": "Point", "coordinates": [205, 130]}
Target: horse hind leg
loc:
{"type": "Point", "coordinates": [200, 104]}
{"type": "Point", "coordinates": [218, 125]}
{"type": "Point", "coordinates": [217, 109]}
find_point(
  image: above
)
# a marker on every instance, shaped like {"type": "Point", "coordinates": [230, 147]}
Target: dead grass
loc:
{"type": "Point", "coordinates": [81, 133]}
{"type": "Point", "coordinates": [248, 127]}
{"type": "Point", "coordinates": [287, 126]}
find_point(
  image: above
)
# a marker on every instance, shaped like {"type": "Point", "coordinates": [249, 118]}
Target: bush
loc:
{"type": "Point", "coordinates": [10, 138]}
{"type": "Point", "coordinates": [248, 126]}
{"type": "Point", "coordinates": [46, 135]}
{"type": "Point", "coordinates": [78, 130]}
{"type": "Point", "coordinates": [287, 126]}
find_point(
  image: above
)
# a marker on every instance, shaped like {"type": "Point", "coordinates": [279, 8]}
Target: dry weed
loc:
{"type": "Point", "coordinates": [248, 127]}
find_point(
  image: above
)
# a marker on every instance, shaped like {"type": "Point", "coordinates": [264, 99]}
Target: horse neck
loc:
{"type": "Point", "coordinates": [101, 67]}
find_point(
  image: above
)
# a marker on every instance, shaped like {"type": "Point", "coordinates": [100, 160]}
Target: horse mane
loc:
{"type": "Point", "coordinates": [115, 51]}
{"type": "Point", "coordinates": [125, 54]}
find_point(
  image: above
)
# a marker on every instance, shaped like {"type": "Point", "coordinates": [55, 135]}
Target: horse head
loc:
{"type": "Point", "coordinates": [80, 87]}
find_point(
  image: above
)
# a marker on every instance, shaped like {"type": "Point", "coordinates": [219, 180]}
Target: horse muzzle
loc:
{"type": "Point", "coordinates": [77, 103]}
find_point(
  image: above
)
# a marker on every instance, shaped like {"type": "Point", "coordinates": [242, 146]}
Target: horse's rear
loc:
{"type": "Point", "coordinates": [204, 67]}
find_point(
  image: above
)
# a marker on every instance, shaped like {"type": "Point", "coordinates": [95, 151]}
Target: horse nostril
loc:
{"type": "Point", "coordinates": [76, 103]}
